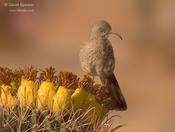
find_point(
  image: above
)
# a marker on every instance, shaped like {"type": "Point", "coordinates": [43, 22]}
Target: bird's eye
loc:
{"type": "Point", "coordinates": [101, 30]}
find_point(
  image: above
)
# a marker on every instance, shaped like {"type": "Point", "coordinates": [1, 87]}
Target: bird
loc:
{"type": "Point", "coordinates": [96, 58]}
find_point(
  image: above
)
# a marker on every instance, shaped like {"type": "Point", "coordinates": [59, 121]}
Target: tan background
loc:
{"type": "Point", "coordinates": [145, 59]}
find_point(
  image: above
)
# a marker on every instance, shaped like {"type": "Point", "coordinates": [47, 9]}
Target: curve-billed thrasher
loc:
{"type": "Point", "coordinates": [97, 59]}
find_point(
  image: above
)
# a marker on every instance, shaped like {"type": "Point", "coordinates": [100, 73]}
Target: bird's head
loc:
{"type": "Point", "coordinates": [102, 29]}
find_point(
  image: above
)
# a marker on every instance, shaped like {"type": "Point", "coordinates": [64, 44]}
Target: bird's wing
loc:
{"type": "Point", "coordinates": [109, 59]}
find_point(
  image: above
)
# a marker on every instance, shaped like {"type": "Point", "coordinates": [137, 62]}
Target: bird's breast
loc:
{"type": "Point", "coordinates": [93, 57]}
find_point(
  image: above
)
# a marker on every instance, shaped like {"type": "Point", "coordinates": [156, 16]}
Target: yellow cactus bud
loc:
{"type": "Point", "coordinates": [14, 86]}
{"type": "Point", "coordinates": [79, 97]}
{"type": "Point", "coordinates": [62, 99]}
{"type": "Point", "coordinates": [6, 99]}
{"type": "Point", "coordinates": [90, 98]}
{"type": "Point", "coordinates": [27, 93]}
{"type": "Point", "coordinates": [45, 96]}
{"type": "Point", "coordinates": [95, 111]}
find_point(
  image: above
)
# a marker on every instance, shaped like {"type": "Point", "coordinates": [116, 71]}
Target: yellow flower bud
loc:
{"type": "Point", "coordinates": [79, 97]}
{"type": "Point", "coordinates": [62, 99]}
{"type": "Point", "coordinates": [6, 99]}
{"type": "Point", "coordinates": [45, 96]}
{"type": "Point", "coordinates": [95, 111]}
{"type": "Point", "coordinates": [27, 93]}
{"type": "Point", "coordinates": [14, 86]}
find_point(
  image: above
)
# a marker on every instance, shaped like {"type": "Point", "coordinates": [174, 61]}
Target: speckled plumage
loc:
{"type": "Point", "coordinates": [97, 58]}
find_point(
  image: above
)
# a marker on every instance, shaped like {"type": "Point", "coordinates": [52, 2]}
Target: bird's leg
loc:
{"type": "Point", "coordinates": [93, 78]}
{"type": "Point", "coordinates": [103, 81]}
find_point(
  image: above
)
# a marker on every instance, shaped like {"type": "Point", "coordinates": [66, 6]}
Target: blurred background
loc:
{"type": "Point", "coordinates": [54, 32]}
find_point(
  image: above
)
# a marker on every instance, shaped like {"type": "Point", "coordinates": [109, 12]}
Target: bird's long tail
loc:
{"type": "Point", "coordinates": [114, 89]}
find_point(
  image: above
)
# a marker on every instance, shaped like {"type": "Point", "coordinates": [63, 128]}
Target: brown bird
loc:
{"type": "Point", "coordinates": [97, 59]}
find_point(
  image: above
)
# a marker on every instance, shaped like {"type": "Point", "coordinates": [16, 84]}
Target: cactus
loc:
{"type": "Point", "coordinates": [58, 103]}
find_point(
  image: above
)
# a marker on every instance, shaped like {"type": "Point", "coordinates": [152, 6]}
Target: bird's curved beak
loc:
{"type": "Point", "coordinates": [116, 35]}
